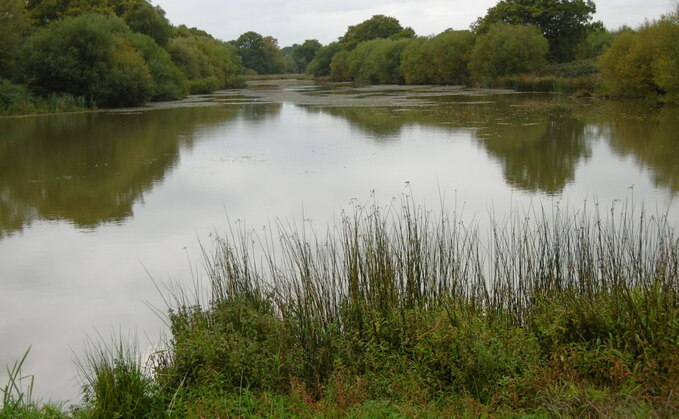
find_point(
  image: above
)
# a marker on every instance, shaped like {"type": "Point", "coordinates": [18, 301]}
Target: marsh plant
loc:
{"type": "Point", "coordinates": [538, 311]}
{"type": "Point", "coordinates": [398, 310]}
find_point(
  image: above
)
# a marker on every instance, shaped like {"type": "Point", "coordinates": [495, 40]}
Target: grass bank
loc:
{"type": "Point", "coordinates": [399, 311]}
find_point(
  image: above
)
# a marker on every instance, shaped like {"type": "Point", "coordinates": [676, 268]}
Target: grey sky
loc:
{"type": "Point", "coordinates": [293, 21]}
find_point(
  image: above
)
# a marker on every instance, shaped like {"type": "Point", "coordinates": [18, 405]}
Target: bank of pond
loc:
{"type": "Point", "coordinates": [112, 53]}
{"type": "Point", "coordinates": [401, 311]}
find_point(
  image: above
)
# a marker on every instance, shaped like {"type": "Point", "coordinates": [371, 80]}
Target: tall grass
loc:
{"type": "Point", "coordinates": [18, 100]}
{"type": "Point", "coordinates": [17, 396]}
{"type": "Point", "coordinates": [115, 384]}
{"type": "Point", "coordinates": [407, 304]}
{"type": "Point", "coordinates": [584, 84]}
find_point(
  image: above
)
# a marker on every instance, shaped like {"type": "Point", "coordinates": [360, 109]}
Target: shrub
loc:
{"type": "Point", "coordinates": [89, 55]}
{"type": "Point", "coordinates": [644, 63]}
{"type": "Point", "coordinates": [507, 49]}
{"type": "Point", "coordinates": [443, 59]}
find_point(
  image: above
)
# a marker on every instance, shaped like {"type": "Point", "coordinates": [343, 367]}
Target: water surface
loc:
{"type": "Point", "coordinates": [91, 204]}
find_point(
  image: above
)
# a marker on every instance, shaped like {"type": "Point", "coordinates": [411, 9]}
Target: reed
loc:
{"type": "Point", "coordinates": [399, 300]}
{"type": "Point", "coordinates": [115, 383]}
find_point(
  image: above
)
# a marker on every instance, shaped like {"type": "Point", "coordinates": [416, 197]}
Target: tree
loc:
{"type": "Point", "coordinates": [303, 54]}
{"type": "Point", "coordinates": [443, 59]}
{"type": "Point", "coordinates": [507, 49]}
{"type": "Point", "coordinates": [90, 55]}
{"type": "Point", "coordinates": [274, 58]}
{"type": "Point", "coordinates": [13, 26]}
{"type": "Point", "coordinates": [168, 81]}
{"type": "Point", "coordinates": [320, 65]}
{"type": "Point", "coordinates": [378, 26]}
{"type": "Point", "coordinates": [565, 23]}
{"type": "Point", "coordinates": [142, 17]}
{"type": "Point", "coordinates": [43, 12]}
{"type": "Point", "coordinates": [260, 54]}
{"type": "Point", "coordinates": [644, 63]}
{"type": "Point", "coordinates": [209, 64]}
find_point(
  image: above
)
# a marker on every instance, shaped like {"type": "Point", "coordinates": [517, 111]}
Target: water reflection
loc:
{"type": "Point", "coordinates": [538, 140]}
{"type": "Point", "coordinates": [648, 134]}
{"type": "Point", "coordinates": [91, 168]}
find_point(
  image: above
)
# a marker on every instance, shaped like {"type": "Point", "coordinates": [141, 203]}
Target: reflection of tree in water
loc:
{"type": "Point", "coordinates": [538, 151]}
{"type": "Point", "coordinates": [537, 142]}
{"type": "Point", "coordinates": [385, 123]}
{"type": "Point", "coordinates": [379, 123]}
{"type": "Point", "coordinates": [650, 135]}
{"type": "Point", "coordinates": [91, 168]}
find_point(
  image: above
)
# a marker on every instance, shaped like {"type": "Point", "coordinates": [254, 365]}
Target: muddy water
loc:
{"type": "Point", "coordinates": [93, 204]}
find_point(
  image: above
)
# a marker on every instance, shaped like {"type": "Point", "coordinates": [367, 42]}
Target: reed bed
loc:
{"type": "Point", "coordinates": [407, 304]}
{"type": "Point", "coordinates": [401, 311]}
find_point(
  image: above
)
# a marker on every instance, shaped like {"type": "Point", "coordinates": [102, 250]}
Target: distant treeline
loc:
{"type": "Point", "coordinates": [60, 55]}
{"type": "Point", "coordinates": [522, 44]}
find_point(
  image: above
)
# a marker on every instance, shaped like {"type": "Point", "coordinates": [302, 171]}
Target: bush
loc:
{"type": "Point", "coordinates": [443, 59]}
{"type": "Point", "coordinates": [644, 63]}
{"type": "Point", "coordinates": [507, 49]}
{"type": "Point", "coordinates": [168, 83]}
{"type": "Point", "coordinates": [207, 63]}
{"type": "Point", "coordinates": [320, 65]}
{"type": "Point", "coordinates": [89, 55]}
{"type": "Point", "coordinates": [17, 99]}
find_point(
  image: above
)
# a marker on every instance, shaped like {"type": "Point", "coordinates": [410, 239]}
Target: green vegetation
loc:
{"type": "Point", "coordinates": [443, 59]}
{"type": "Point", "coordinates": [17, 99]}
{"type": "Point", "coordinates": [297, 57]}
{"type": "Point", "coordinates": [397, 310]}
{"type": "Point", "coordinates": [526, 45]}
{"type": "Point", "coordinates": [65, 55]}
{"type": "Point", "coordinates": [259, 54]}
{"type": "Point", "coordinates": [565, 24]}
{"type": "Point", "coordinates": [507, 49]}
{"type": "Point", "coordinates": [133, 54]}
{"type": "Point", "coordinates": [644, 63]}
{"type": "Point", "coordinates": [378, 26]}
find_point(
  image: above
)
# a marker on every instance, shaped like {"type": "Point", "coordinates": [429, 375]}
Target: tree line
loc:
{"type": "Point", "coordinates": [555, 41]}
{"type": "Point", "coordinates": [125, 52]}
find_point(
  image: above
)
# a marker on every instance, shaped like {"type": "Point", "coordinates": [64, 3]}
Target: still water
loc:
{"type": "Point", "coordinates": [93, 205]}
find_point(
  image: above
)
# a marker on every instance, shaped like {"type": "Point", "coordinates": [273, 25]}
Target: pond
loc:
{"type": "Point", "coordinates": [94, 205]}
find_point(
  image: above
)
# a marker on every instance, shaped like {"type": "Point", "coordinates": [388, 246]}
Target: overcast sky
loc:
{"type": "Point", "coordinates": [293, 21]}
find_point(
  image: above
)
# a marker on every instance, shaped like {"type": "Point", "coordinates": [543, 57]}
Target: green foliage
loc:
{"type": "Point", "coordinates": [373, 62]}
{"type": "Point", "coordinates": [443, 59]}
{"type": "Point", "coordinates": [114, 384]}
{"type": "Point", "coordinates": [320, 65]}
{"type": "Point", "coordinates": [14, 25]}
{"type": "Point", "coordinates": [168, 81]}
{"type": "Point", "coordinates": [644, 63]}
{"type": "Point", "coordinates": [339, 66]}
{"type": "Point", "coordinates": [596, 42]}
{"type": "Point", "coordinates": [574, 68]}
{"type": "Point", "coordinates": [391, 312]}
{"type": "Point", "coordinates": [570, 314]}
{"type": "Point", "coordinates": [43, 12]}
{"type": "Point", "coordinates": [303, 54]}
{"type": "Point", "coordinates": [378, 26]}
{"type": "Point", "coordinates": [258, 53]}
{"type": "Point", "coordinates": [142, 17]}
{"type": "Point", "coordinates": [17, 99]}
{"type": "Point", "coordinates": [208, 64]}
{"type": "Point", "coordinates": [565, 23]}
{"type": "Point", "coordinates": [84, 50]}
{"type": "Point", "coordinates": [507, 49]}
{"type": "Point", "coordinates": [89, 55]}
